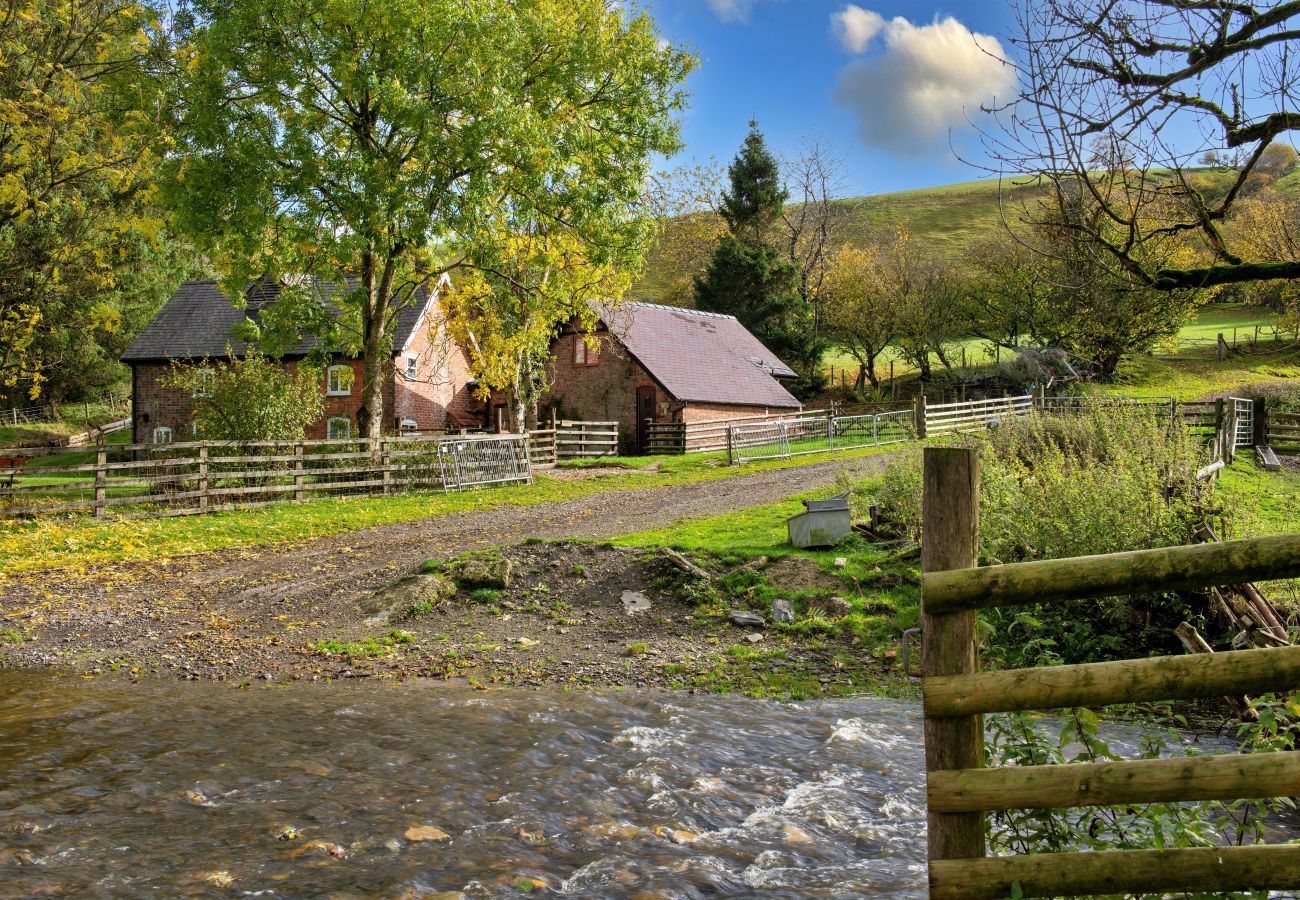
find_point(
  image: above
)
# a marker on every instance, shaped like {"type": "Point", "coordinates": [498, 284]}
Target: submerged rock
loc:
{"type": "Point", "coordinates": [426, 833]}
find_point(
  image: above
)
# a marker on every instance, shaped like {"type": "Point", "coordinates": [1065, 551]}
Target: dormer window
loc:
{"type": "Point", "coordinates": [339, 381]}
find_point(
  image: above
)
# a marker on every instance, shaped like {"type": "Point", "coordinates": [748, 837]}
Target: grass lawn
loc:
{"type": "Point", "coordinates": [56, 542]}
{"type": "Point", "coordinates": [1263, 502]}
{"type": "Point", "coordinates": [73, 421]}
{"type": "Point", "coordinates": [1198, 374]}
{"type": "Point", "coordinates": [879, 613]}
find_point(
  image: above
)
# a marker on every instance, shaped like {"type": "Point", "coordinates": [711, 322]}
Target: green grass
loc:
{"type": "Point", "coordinates": [72, 421]}
{"type": "Point", "coordinates": [878, 616]}
{"type": "Point", "coordinates": [367, 647]}
{"type": "Point", "coordinates": [48, 543]}
{"type": "Point", "coordinates": [1262, 502]}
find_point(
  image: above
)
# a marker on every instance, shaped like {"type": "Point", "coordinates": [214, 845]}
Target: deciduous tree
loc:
{"type": "Point", "coordinates": [1166, 82]}
{"type": "Point", "coordinates": [339, 137]}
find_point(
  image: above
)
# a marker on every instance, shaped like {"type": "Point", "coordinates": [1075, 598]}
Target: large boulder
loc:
{"type": "Point", "coordinates": [406, 597]}
{"type": "Point", "coordinates": [483, 570]}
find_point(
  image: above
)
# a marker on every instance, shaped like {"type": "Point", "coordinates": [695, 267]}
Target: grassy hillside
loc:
{"type": "Point", "coordinates": [946, 220]}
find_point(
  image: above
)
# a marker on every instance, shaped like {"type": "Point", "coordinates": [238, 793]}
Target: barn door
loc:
{"type": "Point", "coordinates": [645, 410]}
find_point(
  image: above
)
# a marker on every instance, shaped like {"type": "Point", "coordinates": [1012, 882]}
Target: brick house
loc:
{"type": "Point", "coordinates": [665, 364]}
{"type": "Point", "coordinates": [426, 383]}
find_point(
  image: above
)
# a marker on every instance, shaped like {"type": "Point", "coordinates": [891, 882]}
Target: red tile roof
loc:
{"type": "Point", "coordinates": [700, 356]}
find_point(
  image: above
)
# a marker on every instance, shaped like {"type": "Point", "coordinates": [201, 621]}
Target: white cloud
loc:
{"type": "Point", "coordinates": [854, 27]}
{"type": "Point", "coordinates": [731, 10]}
{"type": "Point", "coordinates": [928, 79]}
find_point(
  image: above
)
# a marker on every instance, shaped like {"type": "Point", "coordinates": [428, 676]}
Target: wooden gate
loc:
{"type": "Point", "coordinates": [956, 694]}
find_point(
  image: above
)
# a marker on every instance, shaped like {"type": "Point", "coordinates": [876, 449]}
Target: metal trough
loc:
{"type": "Point", "coordinates": [823, 523]}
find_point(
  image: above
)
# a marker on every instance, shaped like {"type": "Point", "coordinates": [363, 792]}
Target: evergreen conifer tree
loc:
{"type": "Point", "coordinates": [749, 277]}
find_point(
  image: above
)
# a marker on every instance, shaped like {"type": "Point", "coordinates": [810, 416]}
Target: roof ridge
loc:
{"type": "Point", "coordinates": [683, 309]}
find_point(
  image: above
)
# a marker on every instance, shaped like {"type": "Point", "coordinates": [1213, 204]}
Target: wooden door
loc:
{"type": "Point", "coordinates": [645, 411]}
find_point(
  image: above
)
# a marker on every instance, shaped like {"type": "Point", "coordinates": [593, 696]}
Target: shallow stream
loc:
{"type": "Point", "coordinates": [110, 789]}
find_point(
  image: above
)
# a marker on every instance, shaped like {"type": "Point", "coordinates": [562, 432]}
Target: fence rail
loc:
{"type": "Point", "coordinates": [961, 790]}
{"type": "Point", "coordinates": [974, 415]}
{"type": "Point", "coordinates": [1283, 431]}
{"type": "Point", "coordinates": [776, 440]}
{"type": "Point", "coordinates": [203, 476]}
{"type": "Point", "coordinates": [582, 440]}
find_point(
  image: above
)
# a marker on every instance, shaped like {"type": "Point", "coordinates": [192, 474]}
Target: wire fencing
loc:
{"type": "Point", "coordinates": [795, 437]}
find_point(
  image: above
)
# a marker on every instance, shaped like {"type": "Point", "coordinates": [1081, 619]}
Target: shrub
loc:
{"type": "Point", "coordinates": [1056, 486]}
{"type": "Point", "coordinates": [251, 398]}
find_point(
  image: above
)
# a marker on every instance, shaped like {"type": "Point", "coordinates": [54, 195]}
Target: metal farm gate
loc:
{"type": "Point", "coordinates": [478, 461]}
{"type": "Point", "coordinates": [1244, 416]}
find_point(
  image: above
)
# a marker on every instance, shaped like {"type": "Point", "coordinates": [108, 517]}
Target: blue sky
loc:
{"type": "Point", "coordinates": [883, 84]}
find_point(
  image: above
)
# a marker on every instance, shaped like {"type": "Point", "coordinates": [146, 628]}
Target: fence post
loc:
{"type": "Point", "coordinates": [919, 416]}
{"type": "Point", "coordinates": [950, 540]}
{"type": "Point", "coordinates": [1260, 437]}
{"type": "Point", "coordinates": [298, 450]}
{"type": "Point", "coordinates": [731, 447]}
{"type": "Point", "coordinates": [203, 476]}
{"type": "Point", "coordinates": [101, 479]}
{"type": "Point", "coordinates": [383, 461]}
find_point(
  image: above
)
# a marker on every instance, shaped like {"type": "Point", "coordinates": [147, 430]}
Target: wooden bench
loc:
{"type": "Point", "coordinates": [13, 464]}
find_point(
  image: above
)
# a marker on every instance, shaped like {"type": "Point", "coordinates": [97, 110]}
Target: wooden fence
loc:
{"type": "Point", "coordinates": [541, 447]}
{"type": "Point", "coordinates": [203, 476]}
{"type": "Point", "coordinates": [961, 791]}
{"type": "Point", "coordinates": [582, 440]}
{"type": "Point", "coordinates": [1282, 431]}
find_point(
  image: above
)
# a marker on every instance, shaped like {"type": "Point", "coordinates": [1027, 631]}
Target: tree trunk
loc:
{"type": "Point", "coordinates": [374, 323]}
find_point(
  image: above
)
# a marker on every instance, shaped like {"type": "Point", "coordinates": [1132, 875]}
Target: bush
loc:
{"type": "Point", "coordinates": [251, 398]}
{"type": "Point", "coordinates": [1059, 486]}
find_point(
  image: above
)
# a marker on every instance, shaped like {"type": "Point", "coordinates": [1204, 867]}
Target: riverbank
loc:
{"type": "Point", "coordinates": [569, 614]}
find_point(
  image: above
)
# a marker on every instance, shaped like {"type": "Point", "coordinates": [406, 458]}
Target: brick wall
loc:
{"type": "Point", "coordinates": [442, 373]}
{"type": "Point", "coordinates": [606, 391]}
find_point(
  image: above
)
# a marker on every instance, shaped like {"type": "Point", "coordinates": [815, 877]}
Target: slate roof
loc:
{"type": "Point", "coordinates": [700, 356]}
{"type": "Point", "coordinates": [198, 319]}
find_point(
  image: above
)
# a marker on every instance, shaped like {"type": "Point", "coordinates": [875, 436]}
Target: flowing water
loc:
{"type": "Point", "coordinates": [185, 789]}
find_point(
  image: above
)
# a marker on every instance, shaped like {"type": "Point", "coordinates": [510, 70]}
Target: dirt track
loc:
{"type": "Point", "coordinates": [253, 611]}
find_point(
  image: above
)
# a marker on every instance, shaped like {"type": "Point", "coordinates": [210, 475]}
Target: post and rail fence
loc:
{"type": "Point", "coordinates": [191, 477]}
{"type": "Point", "coordinates": [961, 790]}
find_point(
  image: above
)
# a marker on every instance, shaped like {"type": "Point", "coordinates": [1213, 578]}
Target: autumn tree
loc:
{"type": "Point", "coordinates": [814, 223]}
{"type": "Point", "coordinates": [683, 204]}
{"type": "Point", "coordinates": [85, 257]}
{"type": "Point", "coordinates": [1167, 82]}
{"type": "Point", "coordinates": [251, 398]}
{"type": "Point", "coordinates": [376, 140]}
{"type": "Point", "coordinates": [861, 307]}
{"type": "Point", "coordinates": [520, 285]}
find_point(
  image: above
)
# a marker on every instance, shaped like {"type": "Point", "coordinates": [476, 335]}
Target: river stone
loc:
{"type": "Point", "coordinates": [399, 600]}
{"type": "Point", "coordinates": [832, 607]}
{"type": "Point", "coordinates": [744, 617]}
{"type": "Point", "coordinates": [635, 601]}
{"type": "Point", "coordinates": [483, 571]}
{"type": "Point", "coordinates": [782, 611]}
{"type": "Point", "coordinates": [426, 833]}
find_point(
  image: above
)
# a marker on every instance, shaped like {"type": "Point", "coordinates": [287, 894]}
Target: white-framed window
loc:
{"type": "Point", "coordinates": [204, 380]}
{"type": "Point", "coordinates": [162, 435]}
{"type": "Point", "coordinates": [412, 361]}
{"type": "Point", "coordinates": [338, 382]}
{"type": "Point", "coordinates": [584, 355]}
{"type": "Point", "coordinates": [338, 428]}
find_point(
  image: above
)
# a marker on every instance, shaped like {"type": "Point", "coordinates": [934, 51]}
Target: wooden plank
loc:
{"type": "Point", "coordinates": [950, 517]}
{"type": "Point", "coordinates": [1229, 776]}
{"type": "Point", "coordinates": [1112, 574]}
{"type": "Point", "coordinates": [1124, 681]}
{"type": "Point", "coordinates": [1200, 869]}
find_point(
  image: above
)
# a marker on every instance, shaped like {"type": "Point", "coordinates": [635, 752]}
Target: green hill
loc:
{"type": "Point", "coordinates": [945, 220]}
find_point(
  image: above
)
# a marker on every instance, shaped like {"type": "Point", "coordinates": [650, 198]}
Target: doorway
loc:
{"type": "Point", "coordinates": [645, 411]}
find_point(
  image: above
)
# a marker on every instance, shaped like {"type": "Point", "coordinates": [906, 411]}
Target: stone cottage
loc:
{"type": "Point", "coordinates": [426, 383]}
{"type": "Point", "coordinates": [645, 362]}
